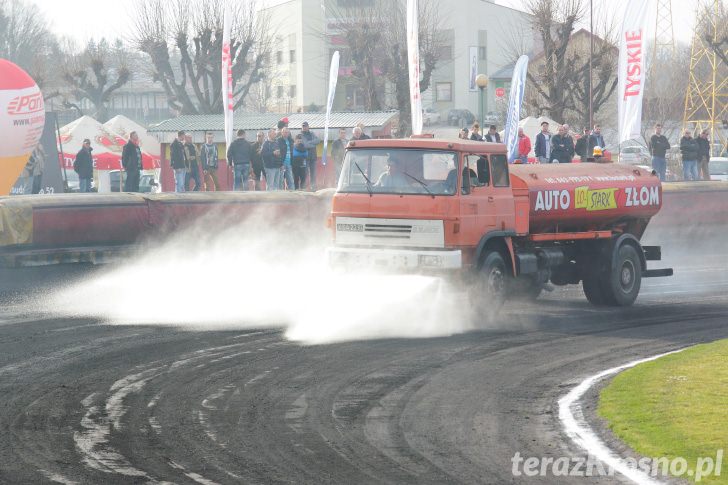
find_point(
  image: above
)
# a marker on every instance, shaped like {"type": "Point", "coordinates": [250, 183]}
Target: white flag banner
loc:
{"type": "Point", "coordinates": [333, 78]}
{"type": "Point", "coordinates": [413, 55]}
{"type": "Point", "coordinates": [518, 87]}
{"type": "Point", "coordinates": [632, 69]}
{"type": "Point", "coordinates": [227, 77]}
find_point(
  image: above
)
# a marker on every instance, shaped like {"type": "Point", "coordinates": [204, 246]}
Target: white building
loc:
{"type": "Point", "coordinates": [478, 37]}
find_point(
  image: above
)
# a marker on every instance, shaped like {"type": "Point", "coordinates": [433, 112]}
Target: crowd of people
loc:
{"type": "Point", "coordinates": [282, 160]}
{"type": "Point", "coordinates": [549, 148]}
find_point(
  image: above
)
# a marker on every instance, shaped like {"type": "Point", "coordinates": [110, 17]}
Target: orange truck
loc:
{"type": "Point", "coordinates": [457, 207]}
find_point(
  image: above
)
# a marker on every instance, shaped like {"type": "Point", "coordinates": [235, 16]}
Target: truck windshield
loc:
{"type": "Point", "coordinates": [399, 171]}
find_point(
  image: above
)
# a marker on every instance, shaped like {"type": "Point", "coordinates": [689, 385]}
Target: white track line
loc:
{"type": "Point", "coordinates": [576, 427]}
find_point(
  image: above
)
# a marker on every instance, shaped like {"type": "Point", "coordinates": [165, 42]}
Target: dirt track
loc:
{"type": "Point", "coordinates": [84, 402]}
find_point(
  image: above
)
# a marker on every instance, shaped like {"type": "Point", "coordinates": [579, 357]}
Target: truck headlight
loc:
{"type": "Point", "coordinates": [430, 261]}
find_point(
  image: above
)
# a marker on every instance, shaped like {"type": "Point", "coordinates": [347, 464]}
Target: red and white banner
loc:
{"type": "Point", "coordinates": [227, 77]}
{"type": "Point", "coordinates": [632, 68]}
{"type": "Point", "coordinates": [413, 55]}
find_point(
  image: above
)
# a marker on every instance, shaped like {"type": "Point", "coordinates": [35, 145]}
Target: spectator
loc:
{"type": "Point", "coordinates": [285, 147]}
{"type": "Point", "coordinates": [39, 156]}
{"type": "Point", "coordinates": [300, 159]}
{"type": "Point", "coordinates": [543, 144]}
{"type": "Point", "coordinates": [338, 150]}
{"type": "Point", "coordinates": [256, 159]}
{"type": "Point", "coordinates": [238, 157]}
{"type": "Point", "coordinates": [131, 160]}
{"type": "Point", "coordinates": [209, 161]}
{"type": "Point", "coordinates": [463, 134]}
{"type": "Point", "coordinates": [492, 135]}
{"type": "Point", "coordinates": [690, 151]}
{"type": "Point", "coordinates": [193, 160]}
{"type": "Point", "coordinates": [84, 167]}
{"type": "Point", "coordinates": [595, 140]}
{"type": "Point", "coordinates": [524, 146]}
{"type": "Point", "coordinates": [567, 133]}
{"type": "Point", "coordinates": [311, 141]}
{"type": "Point", "coordinates": [178, 156]}
{"type": "Point", "coordinates": [475, 132]}
{"type": "Point", "coordinates": [703, 155]}
{"type": "Point", "coordinates": [562, 147]}
{"type": "Point", "coordinates": [658, 149]}
{"type": "Point", "coordinates": [358, 134]}
{"type": "Point", "coordinates": [582, 144]}
{"type": "Point", "coordinates": [272, 162]}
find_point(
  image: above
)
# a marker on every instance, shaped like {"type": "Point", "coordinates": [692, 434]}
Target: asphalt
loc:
{"type": "Point", "coordinates": [86, 402]}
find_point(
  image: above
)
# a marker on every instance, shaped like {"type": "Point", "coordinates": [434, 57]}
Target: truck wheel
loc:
{"type": "Point", "coordinates": [622, 283]}
{"type": "Point", "coordinates": [593, 290]}
{"type": "Point", "coordinates": [491, 287]}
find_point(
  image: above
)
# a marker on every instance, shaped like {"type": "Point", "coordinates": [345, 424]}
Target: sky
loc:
{"type": "Point", "coordinates": [85, 19]}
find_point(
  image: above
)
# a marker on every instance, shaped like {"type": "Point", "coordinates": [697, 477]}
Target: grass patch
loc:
{"type": "Point", "coordinates": [676, 406]}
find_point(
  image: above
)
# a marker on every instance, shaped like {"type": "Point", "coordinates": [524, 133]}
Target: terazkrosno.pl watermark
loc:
{"type": "Point", "coordinates": [592, 467]}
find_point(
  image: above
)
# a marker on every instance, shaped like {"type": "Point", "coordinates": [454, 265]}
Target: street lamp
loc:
{"type": "Point", "coordinates": [482, 82]}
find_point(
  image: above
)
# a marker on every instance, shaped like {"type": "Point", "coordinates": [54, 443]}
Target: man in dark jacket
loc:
{"type": "Point", "coordinates": [658, 149]}
{"type": "Point", "coordinates": [311, 141]}
{"type": "Point", "coordinates": [338, 149]}
{"type": "Point", "coordinates": [542, 150]}
{"type": "Point", "coordinates": [582, 145]}
{"type": "Point", "coordinates": [703, 155]}
{"type": "Point", "coordinates": [238, 157]}
{"type": "Point", "coordinates": [689, 151]}
{"type": "Point", "coordinates": [285, 149]}
{"type": "Point", "coordinates": [595, 140]}
{"type": "Point", "coordinates": [272, 163]}
{"type": "Point", "coordinates": [562, 147]}
{"type": "Point", "coordinates": [492, 135]}
{"type": "Point", "coordinates": [193, 159]}
{"type": "Point", "coordinates": [178, 159]}
{"type": "Point", "coordinates": [256, 159]}
{"type": "Point", "coordinates": [84, 166]}
{"type": "Point", "coordinates": [131, 160]}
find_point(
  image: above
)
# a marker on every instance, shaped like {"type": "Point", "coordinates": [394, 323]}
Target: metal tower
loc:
{"type": "Point", "coordinates": [706, 99]}
{"type": "Point", "coordinates": [664, 41]}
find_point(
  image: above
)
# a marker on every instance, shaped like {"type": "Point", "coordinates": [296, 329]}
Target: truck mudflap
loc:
{"type": "Point", "coordinates": [394, 259]}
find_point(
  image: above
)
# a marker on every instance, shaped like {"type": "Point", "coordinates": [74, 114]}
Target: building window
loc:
{"type": "Point", "coordinates": [292, 90]}
{"type": "Point", "coordinates": [444, 52]}
{"type": "Point", "coordinates": [279, 57]}
{"type": "Point", "coordinates": [279, 92]}
{"type": "Point", "coordinates": [292, 55]}
{"type": "Point", "coordinates": [443, 91]}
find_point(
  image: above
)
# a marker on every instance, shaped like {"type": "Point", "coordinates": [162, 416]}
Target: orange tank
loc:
{"type": "Point", "coordinates": [587, 196]}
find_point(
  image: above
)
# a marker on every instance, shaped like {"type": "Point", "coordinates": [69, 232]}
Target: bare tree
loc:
{"type": "Point", "coordinates": [95, 73]}
{"type": "Point", "coordinates": [184, 43]}
{"type": "Point", "coordinates": [716, 39]}
{"type": "Point", "coordinates": [377, 41]}
{"type": "Point", "coordinates": [25, 38]}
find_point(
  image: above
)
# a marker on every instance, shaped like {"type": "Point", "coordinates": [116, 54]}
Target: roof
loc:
{"type": "Point", "coordinates": [456, 144]}
{"type": "Point", "coordinates": [254, 121]}
{"type": "Point", "coordinates": [504, 72]}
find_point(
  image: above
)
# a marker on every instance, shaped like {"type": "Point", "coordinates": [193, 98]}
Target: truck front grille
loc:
{"type": "Point", "coordinates": [387, 231]}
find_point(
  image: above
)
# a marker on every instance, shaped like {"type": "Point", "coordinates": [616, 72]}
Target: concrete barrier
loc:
{"type": "Point", "coordinates": [96, 228]}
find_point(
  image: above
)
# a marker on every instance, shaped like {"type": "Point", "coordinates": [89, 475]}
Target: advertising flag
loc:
{"type": "Point", "coordinates": [227, 77]}
{"type": "Point", "coordinates": [333, 78]}
{"type": "Point", "coordinates": [632, 69]}
{"type": "Point", "coordinates": [518, 86]}
{"type": "Point", "coordinates": [413, 55]}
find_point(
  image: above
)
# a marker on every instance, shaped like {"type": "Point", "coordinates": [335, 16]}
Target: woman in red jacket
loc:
{"type": "Point", "coordinates": [524, 147]}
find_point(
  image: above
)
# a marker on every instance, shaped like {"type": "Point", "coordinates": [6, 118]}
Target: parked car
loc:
{"type": "Point", "coordinates": [718, 168]}
{"type": "Point", "coordinates": [147, 184]}
{"type": "Point", "coordinates": [430, 116]}
{"type": "Point", "coordinates": [73, 185]}
{"type": "Point", "coordinates": [460, 117]}
{"type": "Point", "coordinates": [635, 155]}
{"type": "Point", "coordinates": [669, 175]}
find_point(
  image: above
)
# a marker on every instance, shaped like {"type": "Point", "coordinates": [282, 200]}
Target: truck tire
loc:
{"type": "Point", "coordinates": [593, 289]}
{"type": "Point", "coordinates": [491, 287]}
{"type": "Point", "coordinates": [621, 283]}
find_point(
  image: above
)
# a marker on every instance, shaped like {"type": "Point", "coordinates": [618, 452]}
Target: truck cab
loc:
{"type": "Point", "coordinates": [419, 204]}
